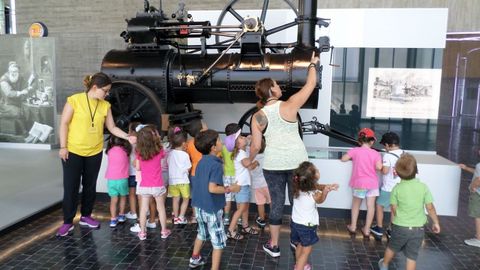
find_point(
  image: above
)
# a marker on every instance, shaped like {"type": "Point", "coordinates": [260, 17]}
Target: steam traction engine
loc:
{"type": "Point", "coordinates": [158, 73]}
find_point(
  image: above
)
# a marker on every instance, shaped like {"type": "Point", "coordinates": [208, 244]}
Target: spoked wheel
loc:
{"type": "Point", "coordinates": [229, 9]}
{"type": "Point", "coordinates": [132, 101]}
{"type": "Point", "coordinates": [245, 122]}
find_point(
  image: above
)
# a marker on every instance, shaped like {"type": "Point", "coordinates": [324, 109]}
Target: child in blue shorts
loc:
{"type": "Point", "coordinates": [208, 198]}
{"type": "Point", "coordinates": [118, 152]}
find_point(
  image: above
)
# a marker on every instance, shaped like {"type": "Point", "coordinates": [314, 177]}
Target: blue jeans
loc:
{"type": "Point", "coordinates": [277, 181]}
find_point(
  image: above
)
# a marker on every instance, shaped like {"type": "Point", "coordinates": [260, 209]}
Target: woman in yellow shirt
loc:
{"type": "Point", "coordinates": [81, 144]}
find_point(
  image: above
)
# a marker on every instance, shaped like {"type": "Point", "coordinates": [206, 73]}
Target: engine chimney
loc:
{"type": "Point", "coordinates": [307, 18]}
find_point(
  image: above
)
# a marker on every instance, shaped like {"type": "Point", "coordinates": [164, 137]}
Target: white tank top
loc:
{"type": "Point", "coordinates": [284, 147]}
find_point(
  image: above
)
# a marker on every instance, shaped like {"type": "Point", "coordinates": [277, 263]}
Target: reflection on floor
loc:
{"type": "Point", "coordinates": [34, 246]}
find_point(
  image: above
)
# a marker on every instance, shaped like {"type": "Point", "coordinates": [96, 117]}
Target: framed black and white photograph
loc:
{"type": "Point", "coordinates": [403, 93]}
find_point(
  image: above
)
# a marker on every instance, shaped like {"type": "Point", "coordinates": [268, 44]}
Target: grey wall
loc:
{"type": "Point", "coordinates": [86, 30]}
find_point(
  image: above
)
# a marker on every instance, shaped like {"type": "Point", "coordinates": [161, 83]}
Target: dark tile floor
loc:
{"type": "Point", "coordinates": [34, 246]}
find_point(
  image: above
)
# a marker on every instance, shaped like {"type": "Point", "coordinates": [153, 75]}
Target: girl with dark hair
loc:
{"type": "Point", "coordinates": [307, 193]}
{"type": "Point", "coordinates": [81, 143]}
{"type": "Point", "coordinates": [364, 179]}
{"type": "Point", "coordinates": [118, 151]}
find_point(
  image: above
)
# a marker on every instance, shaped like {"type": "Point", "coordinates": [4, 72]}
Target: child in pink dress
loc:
{"type": "Point", "coordinates": [364, 180]}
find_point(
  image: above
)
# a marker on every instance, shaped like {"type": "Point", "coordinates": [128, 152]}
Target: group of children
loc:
{"type": "Point", "coordinates": [218, 174]}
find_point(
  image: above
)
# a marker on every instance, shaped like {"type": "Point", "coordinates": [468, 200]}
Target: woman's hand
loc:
{"type": "Point", "coordinates": [63, 154]}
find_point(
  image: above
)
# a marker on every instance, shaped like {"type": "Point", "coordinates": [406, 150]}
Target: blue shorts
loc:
{"type": "Point", "coordinates": [210, 227]}
{"type": "Point", "coordinates": [132, 182]}
{"type": "Point", "coordinates": [384, 199]}
{"type": "Point", "coordinates": [243, 196]}
{"type": "Point", "coordinates": [303, 235]}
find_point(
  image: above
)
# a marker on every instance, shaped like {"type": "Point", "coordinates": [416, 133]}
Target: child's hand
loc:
{"type": "Point", "coordinates": [235, 188]}
{"type": "Point", "coordinates": [331, 187]}
{"type": "Point", "coordinates": [474, 185]}
{"type": "Point", "coordinates": [436, 228]}
{"type": "Point", "coordinates": [132, 139]}
{"type": "Point", "coordinates": [462, 166]}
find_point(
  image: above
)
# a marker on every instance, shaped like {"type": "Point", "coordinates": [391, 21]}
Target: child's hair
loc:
{"type": "Point", "coordinates": [132, 127]}
{"type": "Point", "coordinates": [235, 148]}
{"type": "Point", "coordinates": [262, 145]}
{"type": "Point", "coordinates": [366, 135]}
{"type": "Point", "coordinates": [148, 142]}
{"type": "Point", "coordinates": [304, 178]}
{"type": "Point", "coordinates": [390, 138]}
{"type": "Point", "coordinates": [116, 141]}
{"type": "Point", "coordinates": [231, 128]}
{"type": "Point", "coordinates": [194, 127]}
{"type": "Point", "coordinates": [176, 136]}
{"type": "Point", "coordinates": [406, 167]}
{"type": "Point", "coordinates": [205, 140]}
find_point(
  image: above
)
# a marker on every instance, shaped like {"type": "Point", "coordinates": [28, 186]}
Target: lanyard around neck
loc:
{"type": "Point", "coordinates": [92, 116]}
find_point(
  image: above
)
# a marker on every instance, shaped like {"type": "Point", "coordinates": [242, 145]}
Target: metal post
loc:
{"type": "Point", "coordinates": [306, 28]}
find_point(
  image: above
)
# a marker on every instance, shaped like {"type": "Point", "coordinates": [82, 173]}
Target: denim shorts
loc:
{"type": "Point", "coordinates": [384, 199]}
{"type": "Point", "coordinates": [210, 227]}
{"type": "Point", "coordinates": [243, 196]}
{"type": "Point", "coordinates": [303, 235]}
{"type": "Point", "coordinates": [117, 187]}
{"type": "Point", "coordinates": [406, 239]}
{"type": "Point", "coordinates": [132, 181]}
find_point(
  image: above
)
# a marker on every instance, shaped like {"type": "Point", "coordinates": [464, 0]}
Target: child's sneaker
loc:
{"type": "Point", "coordinates": [261, 223]}
{"type": "Point", "coordinates": [305, 267]}
{"type": "Point", "coordinates": [113, 223]}
{"type": "Point", "coordinates": [182, 220]}
{"type": "Point", "coordinates": [474, 242]}
{"type": "Point", "coordinates": [194, 263]}
{"type": "Point", "coordinates": [122, 218]}
{"type": "Point", "coordinates": [152, 225]}
{"type": "Point", "coordinates": [89, 221]}
{"type": "Point", "coordinates": [273, 251]}
{"type": "Point", "coordinates": [131, 215]}
{"type": "Point", "coordinates": [388, 233]}
{"type": "Point", "coordinates": [239, 222]}
{"type": "Point", "coordinates": [377, 231]}
{"type": "Point", "coordinates": [176, 221]}
{"type": "Point", "coordinates": [142, 235]}
{"type": "Point", "coordinates": [166, 233]}
{"type": "Point", "coordinates": [135, 228]}
{"type": "Point", "coordinates": [64, 229]}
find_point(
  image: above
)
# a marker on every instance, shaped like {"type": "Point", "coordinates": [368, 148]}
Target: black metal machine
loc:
{"type": "Point", "coordinates": [159, 73]}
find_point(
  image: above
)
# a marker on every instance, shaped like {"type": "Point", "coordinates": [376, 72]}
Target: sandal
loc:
{"type": "Point", "coordinates": [234, 235]}
{"type": "Point", "coordinates": [365, 235]}
{"type": "Point", "coordinates": [249, 230]}
{"type": "Point", "coordinates": [350, 230]}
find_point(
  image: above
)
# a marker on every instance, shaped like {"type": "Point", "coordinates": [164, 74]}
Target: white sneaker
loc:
{"type": "Point", "coordinates": [474, 242]}
{"type": "Point", "coordinates": [131, 215]}
{"type": "Point", "coordinates": [135, 228]}
{"type": "Point", "coordinates": [152, 225]}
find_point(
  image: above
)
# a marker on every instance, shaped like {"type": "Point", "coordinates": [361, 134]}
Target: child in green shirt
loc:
{"type": "Point", "coordinates": [407, 202]}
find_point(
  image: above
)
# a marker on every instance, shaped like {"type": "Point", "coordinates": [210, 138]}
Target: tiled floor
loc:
{"type": "Point", "coordinates": [34, 246]}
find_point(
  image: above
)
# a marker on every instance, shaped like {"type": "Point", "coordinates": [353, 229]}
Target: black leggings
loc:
{"type": "Point", "coordinates": [277, 181]}
{"type": "Point", "coordinates": [75, 169]}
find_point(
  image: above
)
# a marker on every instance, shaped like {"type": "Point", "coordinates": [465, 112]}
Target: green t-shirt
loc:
{"type": "Point", "coordinates": [410, 197]}
{"type": "Point", "coordinates": [228, 167]}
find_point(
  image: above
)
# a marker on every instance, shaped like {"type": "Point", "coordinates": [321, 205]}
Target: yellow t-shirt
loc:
{"type": "Point", "coordinates": [83, 139]}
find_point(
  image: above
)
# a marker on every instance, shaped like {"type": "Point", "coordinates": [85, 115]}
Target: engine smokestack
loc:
{"type": "Point", "coordinates": [307, 17]}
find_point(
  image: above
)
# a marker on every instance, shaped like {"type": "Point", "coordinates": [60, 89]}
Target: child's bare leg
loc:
{"type": "Point", "coordinates": [184, 207]}
{"type": "Point", "coordinates": [113, 207]}
{"type": "Point", "coordinates": [162, 215]}
{"type": "Point", "coordinates": [228, 208]}
{"type": "Point", "coordinates": [245, 215]}
{"type": "Point", "coordinates": [123, 202]}
{"type": "Point", "coordinates": [238, 213]}
{"type": "Point", "coordinates": [153, 210]}
{"type": "Point", "coordinates": [387, 258]}
{"type": "Point", "coordinates": [216, 258]}
{"type": "Point", "coordinates": [355, 210]}
{"type": "Point", "coordinates": [132, 200]}
{"type": "Point", "coordinates": [370, 214]}
{"type": "Point", "coordinates": [261, 211]}
{"type": "Point", "coordinates": [379, 215]}
{"type": "Point", "coordinates": [175, 205]}
{"type": "Point", "coordinates": [197, 247]}
{"type": "Point", "coordinates": [301, 256]}
{"type": "Point", "coordinates": [411, 264]}
{"type": "Point", "coordinates": [477, 228]}
{"type": "Point", "coordinates": [143, 212]}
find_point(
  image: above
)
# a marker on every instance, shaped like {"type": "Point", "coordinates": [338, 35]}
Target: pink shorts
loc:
{"type": "Point", "coordinates": [262, 196]}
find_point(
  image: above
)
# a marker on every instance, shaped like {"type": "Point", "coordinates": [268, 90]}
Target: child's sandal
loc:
{"type": "Point", "coordinates": [249, 230]}
{"type": "Point", "coordinates": [234, 235]}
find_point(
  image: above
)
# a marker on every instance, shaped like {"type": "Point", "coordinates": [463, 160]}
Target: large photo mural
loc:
{"type": "Point", "coordinates": [27, 90]}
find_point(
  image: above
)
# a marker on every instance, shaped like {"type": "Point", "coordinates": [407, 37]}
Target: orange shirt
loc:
{"type": "Point", "coordinates": [195, 156]}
